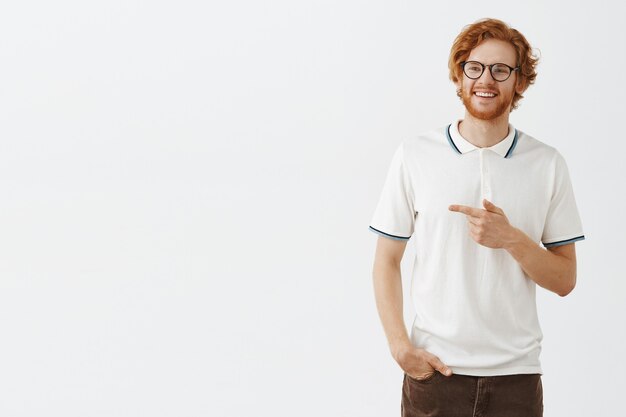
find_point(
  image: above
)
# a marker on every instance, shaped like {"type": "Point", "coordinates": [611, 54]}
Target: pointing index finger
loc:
{"type": "Point", "coordinates": [471, 211]}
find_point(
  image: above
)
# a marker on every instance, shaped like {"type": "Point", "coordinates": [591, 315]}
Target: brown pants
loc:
{"type": "Point", "coordinates": [518, 395]}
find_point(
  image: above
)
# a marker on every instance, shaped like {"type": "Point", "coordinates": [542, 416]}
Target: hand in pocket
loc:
{"type": "Point", "coordinates": [421, 364]}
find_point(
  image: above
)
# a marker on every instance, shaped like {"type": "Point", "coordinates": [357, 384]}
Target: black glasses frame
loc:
{"type": "Point", "coordinates": [490, 70]}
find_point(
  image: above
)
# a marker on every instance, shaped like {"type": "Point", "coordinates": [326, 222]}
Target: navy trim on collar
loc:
{"type": "Point", "coordinates": [450, 139]}
{"type": "Point", "coordinates": [508, 153]}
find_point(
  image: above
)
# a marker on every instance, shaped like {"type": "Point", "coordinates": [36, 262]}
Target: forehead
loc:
{"type": "Point", "coordinates": [492, 51]}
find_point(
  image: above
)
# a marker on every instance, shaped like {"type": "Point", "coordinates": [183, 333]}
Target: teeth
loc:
{"type": "Point", "coordinates": [481, 94]}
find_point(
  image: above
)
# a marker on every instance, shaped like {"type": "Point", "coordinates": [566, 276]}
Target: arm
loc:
{"type": "Point", "coordinates": [553, 269]}
{"type": "Point", "coordinates": [388, 292]}
{"type": "Point", "coordinates": [416, 362]}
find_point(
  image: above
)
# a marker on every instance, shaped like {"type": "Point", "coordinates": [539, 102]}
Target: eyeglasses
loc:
{"type": "Point", "coordinates": [499, 72]}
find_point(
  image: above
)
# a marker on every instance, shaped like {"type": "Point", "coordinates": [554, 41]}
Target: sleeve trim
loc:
{"type": "Point", "coordinates": [388, 235]}
{"type": "Point", "coordinates": [564, 242]}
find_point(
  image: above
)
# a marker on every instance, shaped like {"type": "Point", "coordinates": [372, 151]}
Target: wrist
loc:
{"type": "Point", "coordinates": [400, 349]}
{"type": "Point", "coordinates": [514, 240]}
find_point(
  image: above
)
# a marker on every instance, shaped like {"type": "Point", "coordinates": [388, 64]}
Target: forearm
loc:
{"type": "Point", "coordinates": [389, 301]}
{"type": "Point", "coordinates": [550, 271]}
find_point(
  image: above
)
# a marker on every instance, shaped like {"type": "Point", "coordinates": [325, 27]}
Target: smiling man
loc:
{"type": "Point", "coordinates": [493, 215]}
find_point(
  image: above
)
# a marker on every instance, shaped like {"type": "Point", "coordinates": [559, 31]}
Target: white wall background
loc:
{"type": "Point", "coordinates": [185, 191]}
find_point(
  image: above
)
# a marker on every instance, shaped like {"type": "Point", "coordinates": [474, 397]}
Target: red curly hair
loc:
{"type": "Point", "coordinates": [481, 30]}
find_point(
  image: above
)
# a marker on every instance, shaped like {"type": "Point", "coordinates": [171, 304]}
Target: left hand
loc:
{"type": "Point", "coordinates": [489, 227]}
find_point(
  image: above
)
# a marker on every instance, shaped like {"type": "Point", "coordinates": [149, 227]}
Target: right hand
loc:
{"type": "Point", "coordinates": [419, 363]}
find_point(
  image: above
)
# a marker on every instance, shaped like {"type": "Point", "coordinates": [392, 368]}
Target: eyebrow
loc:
{"type": "Point", "coordinates": [497, 62]}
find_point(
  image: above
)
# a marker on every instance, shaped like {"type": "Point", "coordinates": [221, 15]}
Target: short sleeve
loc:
{"type": "Point", "coordinates": [394, 216]}
{"type": "Point", "coordinates": [562, 225]}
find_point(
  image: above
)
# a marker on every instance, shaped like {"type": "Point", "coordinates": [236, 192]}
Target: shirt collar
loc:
{"type": "Point", "coordinates": [459, 144]}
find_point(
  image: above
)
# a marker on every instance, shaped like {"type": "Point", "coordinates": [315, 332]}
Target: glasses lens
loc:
{"type": "Point", "coordinates": [500, 72]}
{"type": "Point", "coordinates": [473, 69]}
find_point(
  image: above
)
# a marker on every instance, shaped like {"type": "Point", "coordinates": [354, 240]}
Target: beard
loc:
{"type": "Point", "coordinates": [503, 105]}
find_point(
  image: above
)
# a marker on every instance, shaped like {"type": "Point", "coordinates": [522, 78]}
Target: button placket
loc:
{"type": "Point", "coordinates": [485, 183]}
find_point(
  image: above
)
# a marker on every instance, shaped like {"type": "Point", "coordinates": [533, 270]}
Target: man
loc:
{"type": "Point", "coordinates": [480, 196]}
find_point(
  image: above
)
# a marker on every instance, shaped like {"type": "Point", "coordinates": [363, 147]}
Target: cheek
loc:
{"type": "Point", "coordinates": [511, 87]}
{"type": "Point", "coordinates": [467, 85]}
{"type": "Point", "coordinates": [512, 91]}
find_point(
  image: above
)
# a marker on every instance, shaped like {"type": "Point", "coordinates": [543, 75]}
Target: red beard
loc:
{"type": "Point", "coordinates": [489, 111]}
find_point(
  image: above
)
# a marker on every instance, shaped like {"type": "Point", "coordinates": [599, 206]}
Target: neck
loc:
{"type": "Point", "coordinates": [484, 133]}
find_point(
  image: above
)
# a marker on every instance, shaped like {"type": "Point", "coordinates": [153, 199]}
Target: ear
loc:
{"type": "Point", "coordinates": [519, 88]}
{"type": "Point", "coordinates": [457, 85]}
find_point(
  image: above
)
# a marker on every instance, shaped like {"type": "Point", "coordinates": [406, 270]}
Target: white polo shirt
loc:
{"type": "Point", "coordinates": [475, 306]}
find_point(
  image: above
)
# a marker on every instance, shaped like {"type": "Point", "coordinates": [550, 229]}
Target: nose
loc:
{"type": "Point", "coordinates": [486, 77]}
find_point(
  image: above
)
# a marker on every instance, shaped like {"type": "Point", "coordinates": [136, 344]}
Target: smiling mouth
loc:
{"type": "Point", "coordinates": [484, 95]}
